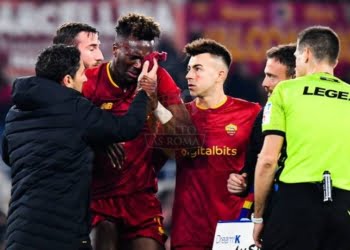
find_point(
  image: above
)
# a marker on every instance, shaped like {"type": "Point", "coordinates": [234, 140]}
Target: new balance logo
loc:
{"type": "Point", "coordinates": [107, 105]}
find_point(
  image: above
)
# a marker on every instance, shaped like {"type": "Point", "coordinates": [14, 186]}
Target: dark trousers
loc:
{"type": "Point", "coordinates": [300, 220]}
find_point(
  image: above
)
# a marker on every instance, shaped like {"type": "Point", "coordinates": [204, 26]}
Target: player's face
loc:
{"type": "Point", "coordinates": [89, 47]}
{"type": "Point", "coordinates": [128, 54]}
{"type": "Point", "coordinates": [202, 75]}
{"type": "Point", "coordinates": [79, 78]}
{"type": "Point", "coordinates": [300, 61]}
{"type": "Point", "coordinates": [274, 73]}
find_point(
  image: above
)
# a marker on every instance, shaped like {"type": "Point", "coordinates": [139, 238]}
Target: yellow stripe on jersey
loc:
{"type": "Point", "coordinates": [110, 77]}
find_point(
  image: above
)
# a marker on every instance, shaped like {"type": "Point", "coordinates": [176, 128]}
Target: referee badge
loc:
{"type": "Point", "coordinates": [231, 129]}
{"type": "Point", "coordinates": [267, 113]}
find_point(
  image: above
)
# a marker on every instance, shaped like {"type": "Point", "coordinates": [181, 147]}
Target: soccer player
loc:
{"type": "Point", "coordinates": [85, 38]}
{"type": "Point", "coordinates": [312, 114]}
{"type": "Point", "coordinates": [47, 143]}
{"type": "Point", "coordinates": [280, 65]}
{"type": "Point", "coordinates": [223, 124]}
{"type": "Point", "coordinates": [127, 214]}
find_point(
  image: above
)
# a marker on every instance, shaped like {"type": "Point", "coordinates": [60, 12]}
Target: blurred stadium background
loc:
{"type": "Point", "coordinates": [246, 27]}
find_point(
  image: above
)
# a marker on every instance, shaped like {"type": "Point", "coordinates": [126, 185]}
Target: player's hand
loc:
{"type": "Point", "coordinates": [116, 155]}
{"type": "Point", "coordinates": [237, 183]}
{"type": "Point", "coordinates": [257, 232]}
{"type": "Point", "coordinates": [147, 81]}
{"type": "Point", "coordinates": [148, 85]}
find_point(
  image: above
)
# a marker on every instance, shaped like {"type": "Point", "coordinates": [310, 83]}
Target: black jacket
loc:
{"type": "Point", "coordinates": [48, 134]}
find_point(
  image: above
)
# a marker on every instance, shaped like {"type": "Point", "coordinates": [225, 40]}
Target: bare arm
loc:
{"type": "Point", "coordinates": [264, 175]}
{"type": "Point", "coordinates": [180, 121]}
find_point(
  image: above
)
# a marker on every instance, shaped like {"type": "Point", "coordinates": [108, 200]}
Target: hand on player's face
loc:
{"type": "Point", "coordinates": [148, 82]}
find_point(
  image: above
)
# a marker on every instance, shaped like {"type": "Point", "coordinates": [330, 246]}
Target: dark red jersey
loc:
{"type": "Point", "coordinates": [201, 195]}
{"type": "Point", "coordinates": [137, 173]}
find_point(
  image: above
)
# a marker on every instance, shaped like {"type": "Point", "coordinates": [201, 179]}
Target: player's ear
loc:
{"type": "Point", "coordinates": [336, 63]}
{"type": "Point", "coordinates": [307, 54]}
{"type": "Point", "coordinates": [222, 75]}
{"type": "Point", "coordinates": [67, 81]}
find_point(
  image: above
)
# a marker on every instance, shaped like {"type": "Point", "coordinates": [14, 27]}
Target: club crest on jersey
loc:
{"type": "Point", "coordinates": [107, 105]}
{"type": "Point", "coordinates": [231, 129]}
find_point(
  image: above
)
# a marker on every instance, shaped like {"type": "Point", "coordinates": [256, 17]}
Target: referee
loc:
{"type": "Point", "coordinates": [311, 210]}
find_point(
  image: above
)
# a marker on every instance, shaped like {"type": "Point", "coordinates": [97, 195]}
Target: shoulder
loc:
{"type": "Point", "coordinates": [83, 107]}
{"type": "Point", "coordinates": [245, 104]}
{"type": "Point", "coordinates": [93, 71]}
{"type": "Point", "coordinates": [164, 77]}
{"type": "Point", "coordinates": [167, 87]}
{"type": "Point", "coordinates": [291, 83]}
{"type": "Point", "coordinates": [162, 72]}
{"type": "Point", "coordinates": [189, 104]}
{"type": "Point", "coordinates": [242, 106]}
{"type": "Point", "coordinates": [94, 77]}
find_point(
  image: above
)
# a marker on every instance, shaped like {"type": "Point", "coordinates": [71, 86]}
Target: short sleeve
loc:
{"type": "Point", "coordinates": [273, 121]}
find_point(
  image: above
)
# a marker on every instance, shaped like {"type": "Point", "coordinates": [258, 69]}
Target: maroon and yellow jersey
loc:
{"type": "Point", "coordinates": [201, 195]}
{"type": "Point", "coordinates": [137, 172]}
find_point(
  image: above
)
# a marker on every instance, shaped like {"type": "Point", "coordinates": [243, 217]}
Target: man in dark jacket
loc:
{"type": "Point", "coordinates": [48, 134]}
{"type": "Point", "coordinates": [280, 65]}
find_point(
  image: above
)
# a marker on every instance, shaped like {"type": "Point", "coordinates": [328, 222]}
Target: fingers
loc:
{"type": "Point", "coordinates": [236, 183]}
{"type": "Point", "coordinates": [148, 84]}
{"type": "Point", "coordinates": [257, 234]}
{"type": "Point", "coordinates": [237, 179]}
{"type": "Point", "coordinates": [119, 150]}
{"type": "Point", "coordinates": [153, 71]}
{"type": "Point", "coordinates": [145, 66]}
{"type": "Point", "coordinates": [144, 70]}
{"type": "Point", "coordinates": [116, 155]}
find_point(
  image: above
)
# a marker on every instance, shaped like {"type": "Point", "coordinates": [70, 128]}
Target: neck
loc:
{"type": "Point", "coordinates": [119, 80]}
{"type": "Point", "coordinates": [212, 101]}
{"type": "Point", "coordinates": [320, 68]}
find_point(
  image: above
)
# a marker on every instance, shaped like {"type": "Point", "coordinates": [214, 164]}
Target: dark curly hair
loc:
{"type": "Point", "coordinates": [138, 26]}
{"type": "Point", "coordinates": [57, 61]}
{"type": "Point", "coordinates": [67, 32]}
{"type": "Point", "coordinates": [210, 46]}
{"type": "Point", "coordinates": [284, 54]}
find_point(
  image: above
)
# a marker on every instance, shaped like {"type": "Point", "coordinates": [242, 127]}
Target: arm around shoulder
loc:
{"type": "Point", "coordinates": [100, 126]}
